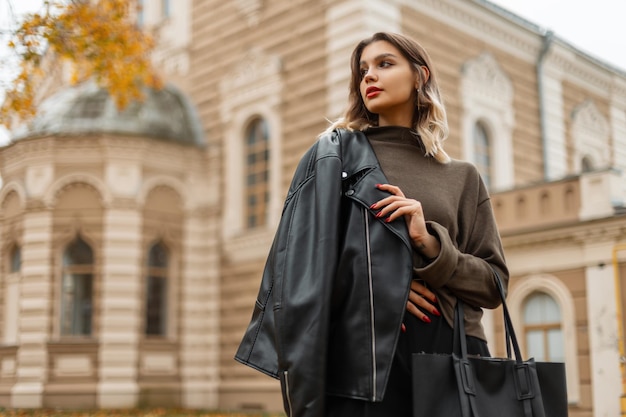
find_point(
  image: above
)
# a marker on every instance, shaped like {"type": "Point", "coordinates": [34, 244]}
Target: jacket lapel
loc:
{"type": "Point", "coordinates": [361, 166]}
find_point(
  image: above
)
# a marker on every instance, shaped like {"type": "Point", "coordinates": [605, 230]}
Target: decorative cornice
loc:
{"type": "Point", "coordinates": [575, 69]}
{"type": "Point", "coordinates": [604, 230]}
{"type": "Point", "coordinates": [484, 24]}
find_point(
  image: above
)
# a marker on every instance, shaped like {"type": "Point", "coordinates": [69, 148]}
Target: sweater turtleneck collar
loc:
{"type": "Point", "coordinates": [397, 134]}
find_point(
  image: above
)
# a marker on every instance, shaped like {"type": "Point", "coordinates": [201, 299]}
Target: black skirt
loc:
{"type": "Point", "coordinates": [434, 337]}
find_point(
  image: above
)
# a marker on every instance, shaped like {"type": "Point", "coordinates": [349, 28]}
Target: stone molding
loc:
{"type": "Point", "coordinates": [256, 78]}
{"type": "Point", "coordinates": [590, 132]}
{"type": "Point", "coordinates": [478, 21]}
{"type": "Point", "coordinates": [19, 190]}
{"type": "Point", "coordinates": [556, 289]}
{"type": "Point", "coordinates": [52, 193]}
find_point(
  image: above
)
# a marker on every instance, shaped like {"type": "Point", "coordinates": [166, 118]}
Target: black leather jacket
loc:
{"type": "Point", "coordinates": [329, 311]}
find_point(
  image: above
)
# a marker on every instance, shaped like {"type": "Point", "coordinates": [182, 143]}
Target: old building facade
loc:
{"type": "Point", "coordinates": [544, 122]}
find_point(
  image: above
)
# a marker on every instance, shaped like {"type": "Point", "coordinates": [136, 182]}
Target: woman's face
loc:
{"type": "Point", "coordinates": [388, 84]}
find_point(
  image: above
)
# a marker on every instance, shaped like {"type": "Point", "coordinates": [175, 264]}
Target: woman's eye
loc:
{"type": "Point", "coordinates": [363, 71]}
{"type": "Point", "coordinates": [385, 64]}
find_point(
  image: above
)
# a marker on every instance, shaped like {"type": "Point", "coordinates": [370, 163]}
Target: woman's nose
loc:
{"type": "Point", "coordinates": [369, 75]}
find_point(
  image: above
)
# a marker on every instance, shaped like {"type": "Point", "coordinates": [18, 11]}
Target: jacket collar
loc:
{"type": "Point", "coordinates": [361, 173]}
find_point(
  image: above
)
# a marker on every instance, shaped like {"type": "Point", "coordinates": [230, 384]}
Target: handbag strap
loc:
{"type": "Point", "coordinates": [522, 376]}
{"type": "Point", "coordinates": [460, 342]}
{"type": "Point", "coordinates": [511, 338]}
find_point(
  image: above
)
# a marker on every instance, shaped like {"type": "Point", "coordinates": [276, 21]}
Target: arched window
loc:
{"type": "Point", "coordinates": [586, 164]}
{"type": "Point", "coordinates": [544, 203]}
{"type": "Point", "coordinates": [77, 289]}
{"type": "Point", "coordinates": [11, 297]}
{"type": "Point", "coordinates": [482, 157]}
{"type": "Point", "coordinates": [141, 14]}
{"type": "Point", "coordinates": [156, 291]}
{"type": "Point", "coordinates": [166, 10]}
{"type": "Point", "coordinates": [16, 259]}
{"type": "Point", "coordinates": [520, 208]}
{"type": "Point", "coordinates": [257, 173]}
{"type": "Point", "coordinates": [542, 328]}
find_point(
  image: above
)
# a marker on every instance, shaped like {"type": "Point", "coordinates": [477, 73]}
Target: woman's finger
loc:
{"type": "Point", "coordinates": [423, 291]}
{"type": "Point", "coordinates": [411, 308]}
{"type": "Point", "coordinates": [390, 188]}
{"type": "Point", "coordinates": [421, 299]}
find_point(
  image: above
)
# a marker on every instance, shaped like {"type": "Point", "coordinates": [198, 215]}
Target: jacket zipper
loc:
{"type": "Point", "coordinates": [287, 393]}
{"type": "Point", "coordinates": [371, 293]}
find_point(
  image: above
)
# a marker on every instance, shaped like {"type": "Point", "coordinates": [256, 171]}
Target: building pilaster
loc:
{"type": "Point", "coordinates": [34, 310]}
{"type": "Point", "coordinates": [602, 324]}
{"type": "Point", "coordinates": [121, 308]}
{"type": "Point", "coordinates": [199, 347]}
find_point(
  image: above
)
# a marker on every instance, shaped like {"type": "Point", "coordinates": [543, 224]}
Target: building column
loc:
{"type": "Point", "coordinates": [617, 113]}
{"type": "Point", "coordinates": [554, 139]}
{"type": "Point", "coordinates": [602, 324]}
{"type": "Point", "coordinates": [120, 317]}
{"type": "Point", "coordinates": [348, 22]}
{"type": "Point", "coordinates": [199, 321]}
{"type": "Point", "coordinates": [34, 311]}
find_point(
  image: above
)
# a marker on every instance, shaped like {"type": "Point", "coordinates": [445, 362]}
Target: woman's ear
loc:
{"type": "Point", "coordinates": [422, 76]}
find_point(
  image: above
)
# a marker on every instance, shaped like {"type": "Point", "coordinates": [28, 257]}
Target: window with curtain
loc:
{"type": "Point", "coordinates": [156, 291]}
{"type": "Point", "coordinates": [16, 259]}
{"type": "Point", "coordinates": [482, 157]}
{"type": "Point", "coordinates": [77, 289]}
{"type": "Point", "coordinates": [257, 173]}
{"type": "Point", "coordinates": [166, 9]}
{"type": "Point", "coordinates": [586, 164]}
{"type": "Point", "coordinates": [141, 14]}
{"type": "Point", "coordinates": [542, 328]}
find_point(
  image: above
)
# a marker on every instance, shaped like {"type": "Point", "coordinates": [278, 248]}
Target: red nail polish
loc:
{"type": "Point", "coordinates": [378, 185]}
{"type": "Point", "coordinates": [373, 206]}
{"type": "Point", "coordinates": [403, 328]}
{"type": "Point", "coordinates": [379, 214]}
{"type": "Point", "coordinates": [388, 220]}
{"type": "Point", "coordinates": [426, 319]}
{"type": "Point", "coordinates": [436, 312]}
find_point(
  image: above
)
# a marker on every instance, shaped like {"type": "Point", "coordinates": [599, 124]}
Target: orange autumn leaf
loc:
{"type": "Point", "coordinates": [98, 38]}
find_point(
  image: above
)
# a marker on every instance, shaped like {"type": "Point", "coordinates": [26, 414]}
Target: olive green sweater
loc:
{"type": "Point", "coordinates": [458, 212]}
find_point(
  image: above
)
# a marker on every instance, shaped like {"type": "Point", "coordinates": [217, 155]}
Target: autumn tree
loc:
{"type": "Point", "coordinates": [99, 38]}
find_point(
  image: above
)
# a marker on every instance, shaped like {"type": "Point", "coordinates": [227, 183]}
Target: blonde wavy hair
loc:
{"type": "Point", "coordinates": [429, 116]}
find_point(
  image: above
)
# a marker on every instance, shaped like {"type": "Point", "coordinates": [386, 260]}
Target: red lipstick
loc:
{"type": "Point", "coordinates": [372, 91]}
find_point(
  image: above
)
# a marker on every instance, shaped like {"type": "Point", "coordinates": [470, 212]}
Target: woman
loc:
{"type": "Point", "coordinates": [381, 233]}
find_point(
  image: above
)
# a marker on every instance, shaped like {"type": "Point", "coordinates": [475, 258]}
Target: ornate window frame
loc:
{"type": "Point", "coordinates": [252, 91]}
{"type": "Point", "coordinates": [590, 136]}
{"type": "Point", "coordinates": [553, 287]}
{"type": "Point", "coordinates": [487, 98]}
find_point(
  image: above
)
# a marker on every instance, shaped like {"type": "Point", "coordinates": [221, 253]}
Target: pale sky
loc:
{"type": "Point", "coordinates": [596, 27]}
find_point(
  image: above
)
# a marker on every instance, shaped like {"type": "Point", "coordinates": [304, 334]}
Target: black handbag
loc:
{"type": "Point", "coordinates": [458, 385]}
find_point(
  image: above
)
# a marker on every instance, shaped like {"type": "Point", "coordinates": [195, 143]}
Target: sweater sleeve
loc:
{"type": "Point", "coordinates": [467, 273]}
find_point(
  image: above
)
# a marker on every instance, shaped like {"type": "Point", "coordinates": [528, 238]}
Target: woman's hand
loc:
{"type": "Point", "coordinates": [421, 299]}
{"type": "Point", "coordinates": [396, 206]}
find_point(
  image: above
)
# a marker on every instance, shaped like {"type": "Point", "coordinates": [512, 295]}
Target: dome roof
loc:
{"type": "Point", "coordinates": [164, 114]}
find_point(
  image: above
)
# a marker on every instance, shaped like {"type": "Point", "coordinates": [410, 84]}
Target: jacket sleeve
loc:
{"type": "Point", "coordinates": [304, 268]}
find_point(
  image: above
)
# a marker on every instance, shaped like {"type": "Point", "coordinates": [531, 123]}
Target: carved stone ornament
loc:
{"type": "Point", "coordinates": [251, 9]}
{"type": "Point", "coordinates": [483, 75]}
{"type": "Point", "coordinates": [588, 118]}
